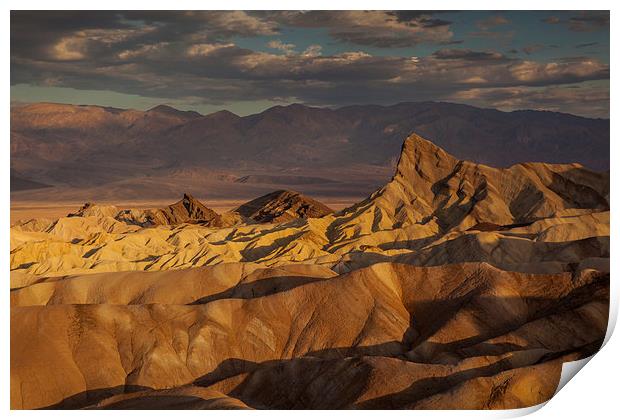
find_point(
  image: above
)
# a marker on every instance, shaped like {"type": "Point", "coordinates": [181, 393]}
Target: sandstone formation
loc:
{"type": "Point", "coordinates": [282, 206]}
{"type": "Point", "coordinates": [186, 210]}
{"type": "Point", "coordinates": [372, 338]}
{"type": "Point", "coordinates": [534, 217]}
{"type": "Point", "coordinates": [456, 285]}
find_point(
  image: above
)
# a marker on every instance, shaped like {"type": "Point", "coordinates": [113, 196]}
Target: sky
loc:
{"type": "Point", "coordinates": [249, 61]}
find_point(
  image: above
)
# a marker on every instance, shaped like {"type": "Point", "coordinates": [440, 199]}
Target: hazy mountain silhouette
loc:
{"type": "Point", "coordinates": [90, 145]}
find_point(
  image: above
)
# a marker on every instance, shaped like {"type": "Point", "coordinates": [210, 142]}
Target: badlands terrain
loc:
{"type": "Point", "coordinates": [455, 285]}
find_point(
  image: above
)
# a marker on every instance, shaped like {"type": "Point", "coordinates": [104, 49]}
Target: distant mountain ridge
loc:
{"type": "Point", "coordinates": [80, 146]}
{"type": "Point", "coordinates": [19, 183]}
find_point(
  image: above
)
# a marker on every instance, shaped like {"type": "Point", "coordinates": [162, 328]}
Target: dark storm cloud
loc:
{"type": "Point", "coordinates": [224, 72]}
{"type": "Point", "coordinates": [587, 21]}
{"type": "Point", "coordinates": [192, 56]}
{"type": "Point", "coordinates": [454, 42]}
{"type": "Point", "coordinates": [434, 23]}
{"type": "Point", "coordinates": [468, 55]}
{"type": "Point", "coordinates": [41, 34]}
{"type": "Point", "coordinates": [64, 20]}
{"type": "Point", "coordinates": [33, 31]}
{"type": "Point", "coordinates": [372, 28]}
{"type": "Point", "coordinates": [423, 18]}
{"type": "Point", "coordinates": [412, 15]}
{"type": "Point", "coordinates": [37, 31]}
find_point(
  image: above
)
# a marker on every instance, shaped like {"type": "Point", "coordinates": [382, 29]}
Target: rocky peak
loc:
{"type": "Point", "coordinates": [90, 209]}
{"type": "Point", "coordinates": [421, 158]}
{"type": "Point", "coordinates": [168, 110]}
{"type": "Point", "coordinates": [188, 209]}
{"type": "Point", "coordinates": [188, 198]}
{"type": "Point", "coordinates": [282, 206]}
{"type": "Point", "coordinates": [80, 212]}
{"type": "Point", "coordinates": [432, 186]}
{"type": "Point", "coordinates": [222, 115]}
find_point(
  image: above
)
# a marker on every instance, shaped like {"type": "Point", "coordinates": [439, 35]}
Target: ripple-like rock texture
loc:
{"type": "Point", "coordinates": [457, 285]}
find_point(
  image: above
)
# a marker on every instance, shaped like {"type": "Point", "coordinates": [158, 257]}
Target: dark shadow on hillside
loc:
{"type": "Point", "coordinates": [164, 402]}
{"type": "Point", "coordinates": [93, 396]}
{"type": "Point", "coordinates": [336, 377]}
{"type": "Point", "coordinates": [260, 288]}
{"type": "Point", "coordinates": [580, 195]}
{"type": "Point", "coordinates": [256, 253]}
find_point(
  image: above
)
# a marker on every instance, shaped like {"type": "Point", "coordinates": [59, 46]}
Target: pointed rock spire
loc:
{"type": "Point", "coordinates": [421, 158]}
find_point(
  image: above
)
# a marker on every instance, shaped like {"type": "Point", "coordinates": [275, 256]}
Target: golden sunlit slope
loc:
{"type": "Point", "coordinates": [390, 336]}
{"type": "Point", "coordinates": [431, 187]}
{"type": "Point", "coordinates": [530, 217]}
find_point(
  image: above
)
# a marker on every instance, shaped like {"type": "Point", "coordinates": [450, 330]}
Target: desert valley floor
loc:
{"type": "Point", "coordinates": [455, 285]}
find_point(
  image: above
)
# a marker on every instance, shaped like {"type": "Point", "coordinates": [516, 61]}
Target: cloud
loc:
{"type": "Point", "coordinates": [78, 45]}
{"type": "Point", "coordinates": [495, 35]}
{"type": "Point", "coordinates": [372, 28]}
{"type": "Point", "coordinates": [586, 21]}
{"type": "Point", "coordinates": [239, 23]}
{"type": "Point", "coordinates": [70, 36]}
{"type": "Point", "coordinates": [353, 65]}
{"type": "Point", "coordinates": [589, 21]}
{"type": "Point", "coordinates": [221, 72]}
{"type": "Point", "coordinates": [147, 50]}
{"type": "Point", "coordinates": [532, 48]}
{"type": "Point", "coordinates": [79, 35]}
{"type": "Point", "coordinates": [587, 44]}
{"type": "Point", "coordinates": [468, 55]}
{"type": "Point", "coordinates": [552, 20]}
{"type": "Point", "coordinates": [589, 100]}
{"type": "Point", "coordinates": [491, 22]}
{"type": "Point", "coordinates": [69, 48]}
{"type": "Point", "coordinates": [567, 71]}
{"type": "Point", "coordinates": [485, 27]}
{"type": "Point", "coordinates": [423, 18]}
{"type": "Point", "coordinates": [205, 25]}
{"type": "Point", "coordinates": [203, 50]}
{"type": "Point", "coordinates": [312, 51]}
{"type": "Point", "coordinates": [279, 45]}
{"type": "Point", "coordinates": [195, 56]}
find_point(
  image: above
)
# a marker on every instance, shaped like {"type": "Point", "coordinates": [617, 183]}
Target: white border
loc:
{"type": "Point", "coordinates": [592, 395]}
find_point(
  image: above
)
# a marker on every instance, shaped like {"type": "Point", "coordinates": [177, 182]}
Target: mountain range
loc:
{"type": "Point", "coordinates": [117, 153]}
